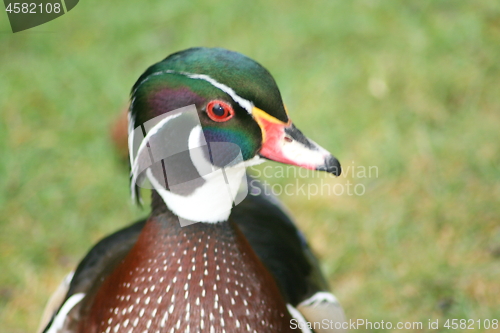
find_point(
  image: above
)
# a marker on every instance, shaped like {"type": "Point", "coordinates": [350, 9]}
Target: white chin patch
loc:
{"type": "Point", "coordinates": [211, 202]}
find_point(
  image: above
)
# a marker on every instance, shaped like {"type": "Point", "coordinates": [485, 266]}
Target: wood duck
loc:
{"type": "Point", "coordinates": [236, 266]}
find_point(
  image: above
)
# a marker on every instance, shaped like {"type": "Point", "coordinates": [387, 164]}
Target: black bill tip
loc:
{"type": "Point", "coordinates": [332, 165]}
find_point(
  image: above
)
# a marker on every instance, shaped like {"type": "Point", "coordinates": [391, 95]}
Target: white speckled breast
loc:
{"type": "Point", "coordinates": [198, 278]}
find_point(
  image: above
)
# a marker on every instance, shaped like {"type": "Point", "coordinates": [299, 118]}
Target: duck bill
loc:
{"type": "Point", "coordinates": [285, 143]}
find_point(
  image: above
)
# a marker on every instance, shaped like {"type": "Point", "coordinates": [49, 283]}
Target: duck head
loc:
{"type": "Point", "coordinates": [200, 116]}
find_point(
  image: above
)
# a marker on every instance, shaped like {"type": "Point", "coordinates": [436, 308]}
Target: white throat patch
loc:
{"type": "Point", "coordinates": [205, 185]}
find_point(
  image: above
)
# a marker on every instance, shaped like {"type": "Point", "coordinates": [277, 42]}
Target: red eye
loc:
{"type": "Point", "coordinates": [219, 111]}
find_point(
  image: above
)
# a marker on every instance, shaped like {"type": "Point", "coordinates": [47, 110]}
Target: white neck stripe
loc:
{"type": "Point", "coordinates": [300, 319]}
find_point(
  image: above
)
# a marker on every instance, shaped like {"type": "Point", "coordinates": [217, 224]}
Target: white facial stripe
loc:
{"type": "Point", "coordinates": [134, 160]}
{"type": "Point", "coordinates": [247, 105]}
{"type": "Point", "coordinates": [225, 183]}
{"type": "Point", "coordinates": [210, 202]}
{"type": "Point", "coordinates": [244, 103]}
{"type": "Point", "coordinates": [155, 130]}
{"type": "Point", "coordinates": [141, 83]}
{"type": "Point", "coordinates": [153, 74]}
{"type": "Point", "coordinates": [197, 139]}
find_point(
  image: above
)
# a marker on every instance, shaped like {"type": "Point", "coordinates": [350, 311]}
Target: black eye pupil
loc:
{"type": "Point", "coordinates": [218, 110]}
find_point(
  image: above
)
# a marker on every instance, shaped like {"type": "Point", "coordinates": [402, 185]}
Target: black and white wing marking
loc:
{"type": "Point", "coordinates": [284, 251]}
{"type": "Point", "coordinates": [78, 288]}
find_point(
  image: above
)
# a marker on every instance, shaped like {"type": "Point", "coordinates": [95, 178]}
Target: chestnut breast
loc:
{"type": "Point", "coordinates": [197, 278]}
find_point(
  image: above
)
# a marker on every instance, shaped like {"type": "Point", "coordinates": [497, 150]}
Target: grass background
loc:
{"type": "Point", "coordinates": [411, 87]}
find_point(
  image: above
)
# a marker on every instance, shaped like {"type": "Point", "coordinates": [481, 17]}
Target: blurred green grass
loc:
{"type": "Point", "coordinates": [410, 87]}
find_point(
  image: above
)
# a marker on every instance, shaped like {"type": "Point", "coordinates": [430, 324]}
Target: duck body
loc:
{"type": "Point", "coordinates": [247, 270]}
{"type": "Point", "coordinates": [193, 278]}
{"type": "Point", "coordinates": [260, 222]}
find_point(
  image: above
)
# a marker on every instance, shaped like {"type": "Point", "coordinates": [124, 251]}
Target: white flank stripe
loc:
{"type": "Point", "coordinates": [58, 322]}
{"type": "Point", "coordinates": [320, 297]}
{"type": "Point", "coordinates": [302, 323]}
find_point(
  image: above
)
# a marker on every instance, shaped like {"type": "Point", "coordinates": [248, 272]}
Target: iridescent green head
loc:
{"type": "Point", "coordinates": [236, 102]}
{"type": "Point", "coordinates": [201, 75]}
